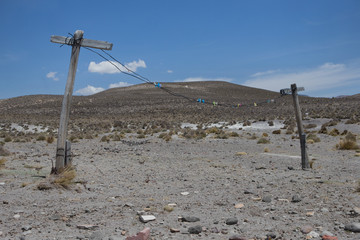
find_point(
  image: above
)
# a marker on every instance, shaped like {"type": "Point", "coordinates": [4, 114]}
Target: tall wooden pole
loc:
{"type": "Point", "coordinates": [65, 110]}
{"type": "Point", "coordinates": [304, 156]}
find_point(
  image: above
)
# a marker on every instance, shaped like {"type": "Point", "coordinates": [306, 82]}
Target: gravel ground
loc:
{"type": "Point", "coordinates": [264, 192]}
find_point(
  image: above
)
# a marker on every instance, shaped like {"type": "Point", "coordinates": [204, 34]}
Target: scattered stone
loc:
{"type": "Point", "coordinates": [310, 214]}
{"type": "Point", "coordinates": [172, 204]}
{"type": "Point", "coordinates": [256, 199]}
{"type": "Point", "coordinates": [224, 231]}
{"type": "Point", "coordinates": [356, 211]}
{"type": "Point", "coordinates": [214, 230]}
{"type": "Point", "coordinates": [237, 237]}
{"type": "Point", "coordinates": [27, 232]}
{"type": "Point", "coordinates": [147, 218]}
{"type": "Point", "coordinates": [327, 237]}
{"type": "Point", "coordinates": [195, 230]}
{"type": "Point", "coordinates": [326, 233]}
{"type": "Point", "coordinates": [26, 228]}
{"type": "Point", "coordinates": [240, 153]}
{"type": "Point", "coordinates": [266, 199]}
{"type": "Point", "coordinates": [87, 226]}
{"type": "Point", "coordinates": [55, 217]}
{"type": "Point", "coordinates": [17, 216]}
{"type": "Point", "coordinates": [291, 168]}
{"type": "Point", "coordinates": [168, 208]}
{"type": "Point", "coordinates": [296, 198]}
{"type": "Point", "coordinates": [185, 193]}
{"type": "Point", "coordinates": [231, 221]}
{"type": "Point", "coordinates": [353, 227]}
{"type": "Point", "coordinates": [239, 205]}
{"type": "Point", "coordinates": [248, 192]}
{"type": "Point", "coordinates": [143, 235]}
{"type": "Point", "coordinates": [97, 236]}
{"type": "Point", "coordinates": [271, 236]}
{"type": "Point", "coordinates": [312, 234]}
{"type": "Point", "coordinates": [174, 230]}
{"type": "Point", "coordinates": [306, 229]}
{"type": "Point", "coordinates": [190, 219]}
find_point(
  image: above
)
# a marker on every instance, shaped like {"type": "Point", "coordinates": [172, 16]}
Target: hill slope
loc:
{"type": "Point", "coordinates": [145, 103]}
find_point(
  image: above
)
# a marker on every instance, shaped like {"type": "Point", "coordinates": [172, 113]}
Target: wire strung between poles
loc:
{"type": "Point", "coordinates": [146, 80]}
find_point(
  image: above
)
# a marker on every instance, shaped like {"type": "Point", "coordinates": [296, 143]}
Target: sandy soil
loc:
{"type": "Point", "coordinates": [205, 178]}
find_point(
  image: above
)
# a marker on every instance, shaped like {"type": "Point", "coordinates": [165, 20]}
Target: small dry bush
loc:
{"type": "Point", "coordinates": [323, 130]}
{"type": "Point", "coordinates": [233, 134]}
{"type": "Point", "coordinates": [263, 141]}
{"type": "Point", "coordinates": [105, 139]}
{"type": "Point", "coordinates": [265, 135]}
{"type": "Point", "coordinates": [213, 130]}
{"type": "Point", "coordinates": [313, 137]}
{"type": "Point", "coordinates": [65, 178]}
{"type": "Point", "coordinates": [194, 134]}
{"type": "Point", "coordinates": [2, 163]}
{"type": "Point", "coordinates": [41, 138]}
{"type": "Point", "coordinates": [50, 139]}
{"type": "Point", "coordinates": [7, 139]}
{"type": "Point", "coordinates": [277, 131]}
{"type": "Point", "coordinates": [266, 149]}
{"type": "Point", "coordinates": [222, 135]}
{"type": "Point", "coordinates": [348, 143]}
{"type": "Point", "coordinates": [334, 132]}
{"type": "Point", "coordinates": [358, 187]}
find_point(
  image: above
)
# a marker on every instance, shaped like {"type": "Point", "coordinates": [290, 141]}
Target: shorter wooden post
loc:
{"type": "Point", "coordinates": [304, 156]}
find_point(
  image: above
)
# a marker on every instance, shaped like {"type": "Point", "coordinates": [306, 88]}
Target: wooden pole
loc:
{"type": "Point", "coordinates": [65, 110]}
{"type": "Point", "coordinates": [304, 156]}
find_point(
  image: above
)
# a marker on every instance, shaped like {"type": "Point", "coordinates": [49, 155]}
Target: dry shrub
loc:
{"type": "Point", "coordinates": [7, 139]}
{"type": "Point", "coordinates": [41, 138]}
{"type": "Point", "coordinates": [105, 139]}
{"type": "Point", "coordinates": [266, 149]}
{"type": "Point", "coordinates": [358, 187]}
{"type": "Point", "coordinates": [65, 178]}
{"type": "Point", "coordinates": [313, 137]}
{"type": "Point", "coordinates": [141, 135]}
{"type": "Point", "coordinates": [348, 143]}
{"type": "Point", "coordinates": [2, 162]}
{"type": "Point", "coordinates": [263, 141]}
{"type": "Point", "coordinates": [334, 132]}
{"type": "Point", "coordinates": [195, 134]}
{"type": "Point", "coordinates": [323, 130]}
{"type": "Point", "coordinates": [265, 135]}
{"type": "Point", "coordinates": [277, 131]}
{"type": "Point", "coordinates": [213, 130]}
{"type": "Point", "coordinates": [233, 134]}
{"type": "Point", "coordinates": [50, 139]}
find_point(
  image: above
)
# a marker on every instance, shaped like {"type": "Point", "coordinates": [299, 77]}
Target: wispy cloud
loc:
{"type": "Point", "coordinates": [258, 74]}
{"type": "Point", "coordinates": [170, 71]}
{"type": "Point", "coordinates": [89, 90]}
{"type": "Point", "coordinates": [201, 79]}
{"type": "Point", "coordinates": [107, 67]}
{"type": "Point", "coordinates": [52, 75]}
{"type": "Point", "coordinates": [329, 76]}
{"type": "Point", "coordinates": [119, 84]}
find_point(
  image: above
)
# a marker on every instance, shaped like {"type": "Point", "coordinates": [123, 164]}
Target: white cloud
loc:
{"type": "Point", "coordinates": [107, 67]}
{"type": "Point", "coordinates": [52, 75]}
{"type": "Point", "coordinates": [201, 79]}
{"type": "Point", "coordinates": [89, 90]}
{"type": "Point", "coordinates": [170, 71]}
{"type": "Point", "coordinates": [325, 77]}
{"type": "Point", "coordinates": [119, 84]}
{"type": "Point", "coordinates": [258, 74]}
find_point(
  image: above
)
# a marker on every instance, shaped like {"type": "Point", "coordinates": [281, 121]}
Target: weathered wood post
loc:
{"type": "Point", "coordinates": [304, 156]}
{"type": "Point", "coordinates": [63, 156]}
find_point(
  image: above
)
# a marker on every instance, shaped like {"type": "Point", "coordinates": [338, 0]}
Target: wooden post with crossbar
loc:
{"type": "Point", "coordinates": [63, 150]}
{"type": "Point", "coordinates": [294, 91]}
{"type": "Point", "coordinates": [304, 156]}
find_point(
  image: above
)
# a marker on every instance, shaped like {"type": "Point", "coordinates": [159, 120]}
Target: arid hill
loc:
{"type": "Point", "coordinates": [146, 103]}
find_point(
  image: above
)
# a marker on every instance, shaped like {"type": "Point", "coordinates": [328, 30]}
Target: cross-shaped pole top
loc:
{"type": "Point", "coordinates": [63, 151]}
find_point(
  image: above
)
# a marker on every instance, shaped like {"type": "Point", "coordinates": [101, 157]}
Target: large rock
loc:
{"type": "Point", "coordinates": [353, 227]}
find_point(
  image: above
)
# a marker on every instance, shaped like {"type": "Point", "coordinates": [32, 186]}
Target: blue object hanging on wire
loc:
{"type": "Point", "coordinates": [201, 100]}
{"type": "Point", "coordinates": [158, 85]}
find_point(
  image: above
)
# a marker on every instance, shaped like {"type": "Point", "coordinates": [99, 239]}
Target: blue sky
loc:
{"type": "Point", "coordinates": [258, 43]}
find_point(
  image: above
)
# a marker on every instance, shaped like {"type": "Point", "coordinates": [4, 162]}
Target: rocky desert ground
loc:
{"type": "Point", "coordinates": [200, 173]}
